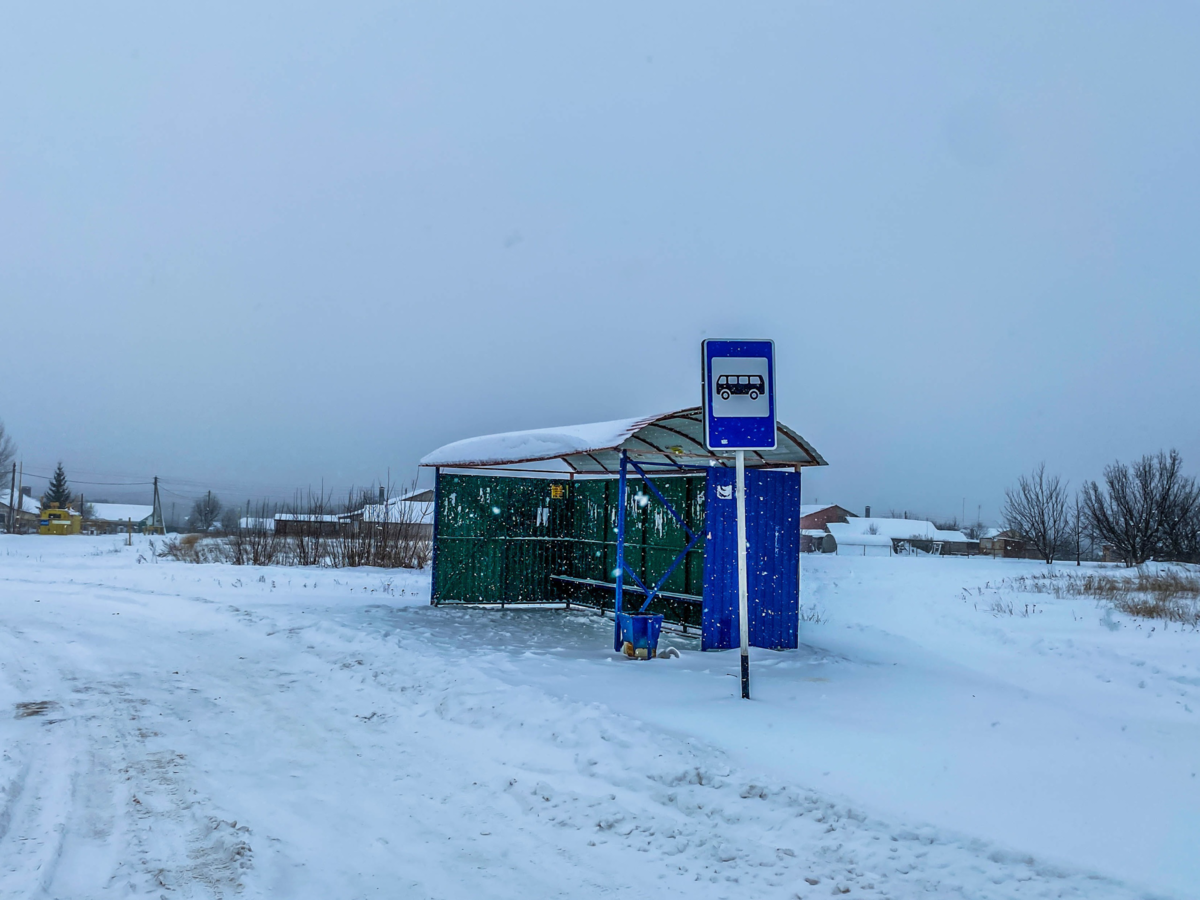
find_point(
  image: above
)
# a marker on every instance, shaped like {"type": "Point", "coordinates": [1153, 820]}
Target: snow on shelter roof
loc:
{"type": "Point", "coordinates": [595, 448]}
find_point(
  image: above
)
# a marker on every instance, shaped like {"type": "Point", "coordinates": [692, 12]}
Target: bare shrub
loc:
{"type": "Point", "coordinates": [1036, 509]}
{"type": "Point", "coordinates": [196, 548]}
{"type": "Point", "coordinates": [390, 534]}
{"type": "Point", "coordinates": [312, 531]}
{"type": "Point", "coordinates": [253, 541]}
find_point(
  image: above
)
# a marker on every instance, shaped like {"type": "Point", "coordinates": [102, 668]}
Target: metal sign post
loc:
{"type": "Point", "coordinates": [739, 415]}
{"type": "Point", "coordinates": [743, 592]}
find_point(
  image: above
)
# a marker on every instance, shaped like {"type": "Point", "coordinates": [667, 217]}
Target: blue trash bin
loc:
{"type": "Point", "coordinates": [637, 636]}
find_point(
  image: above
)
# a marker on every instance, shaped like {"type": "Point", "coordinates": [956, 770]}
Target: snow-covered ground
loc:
{"type": "Point", "coordinates": [213, 730]}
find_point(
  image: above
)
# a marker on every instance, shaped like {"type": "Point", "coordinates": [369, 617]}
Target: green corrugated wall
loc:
{"type": "Point", "coordinates": [501, 539]}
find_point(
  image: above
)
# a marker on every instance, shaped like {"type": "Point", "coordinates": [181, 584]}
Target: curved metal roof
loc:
{"type": "Point", "coordinates": [676, 437]}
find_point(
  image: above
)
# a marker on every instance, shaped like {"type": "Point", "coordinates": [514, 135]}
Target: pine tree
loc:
{"type": "Point", "coordinates": [59, 492]}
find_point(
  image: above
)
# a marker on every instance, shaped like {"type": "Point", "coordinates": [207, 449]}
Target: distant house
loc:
{"type": "Point", "coordinates": [884, 537]}
{"type": "Point", "coordinates": [116, 518]}
{"type": "Point", "coordinates": [307, 525]}
{"type": "Point", "coordinates": [813, 519]}
{"type": "Point", "coordinates": [1004, 544]}
{"type": "Point", "coordinates": [411, 513]}
{"type": "Point", "coordinates": [818, 515]}
{"type": "Point", "coordinates": [253, 523]}
{"type": "Point", "coordinates": [26, 516]}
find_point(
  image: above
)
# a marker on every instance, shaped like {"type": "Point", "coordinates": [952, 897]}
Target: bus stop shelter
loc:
{"type": "Point", "coordinates": [633, 515]}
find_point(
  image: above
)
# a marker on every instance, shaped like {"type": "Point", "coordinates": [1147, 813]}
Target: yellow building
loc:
{"type": "Point", "coordinates": [60, 521]}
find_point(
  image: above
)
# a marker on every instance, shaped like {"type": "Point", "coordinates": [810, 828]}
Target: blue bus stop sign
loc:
{"type": "Point", "coordinates": [739, 394]}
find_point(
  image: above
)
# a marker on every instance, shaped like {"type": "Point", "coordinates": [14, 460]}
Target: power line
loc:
{"type": "Point", "coordinates": [95, 483]}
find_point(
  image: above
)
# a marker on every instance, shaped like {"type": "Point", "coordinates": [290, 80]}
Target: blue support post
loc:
{"type": "Point", "coordinates": [650, 595]}
{"type": "Point", "coordinates": [621, 489]}
{"type": "Point", "coordinates": [437, 494]}
{"type": "Point", "coordinates": [663, 500]}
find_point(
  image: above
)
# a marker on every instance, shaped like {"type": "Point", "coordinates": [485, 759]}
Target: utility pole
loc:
{"type": "Point", "coordinates": [21, 483]}
{"type": "Point", "coordinates": [12, 499]}
{"type": "Point", "coordinates": [156, 518]}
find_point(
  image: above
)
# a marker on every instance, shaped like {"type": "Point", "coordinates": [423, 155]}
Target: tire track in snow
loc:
{"type": "Point", "coordinates": [90, 810]}
{"type": "Point", "coordinates": [136, 815]}
{"type": "Point", "coordinates": [34, 805]}
{"type": "Point", "coordinates": [586, 779]}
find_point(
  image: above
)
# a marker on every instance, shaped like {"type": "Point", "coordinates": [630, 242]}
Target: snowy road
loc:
{"type": "Point", "coordinates": [209, 731]}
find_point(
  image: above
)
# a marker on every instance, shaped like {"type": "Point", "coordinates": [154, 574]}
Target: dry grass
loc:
{"type": "Point", "coordinates": [196, 548]}
{"type": "Point", "coordinates": [1008, 608]}
{"type": "Point", "coordinates": [1168, 593]}
{"type": "Point", "coordinates": [813, 614]}
{"type": "Point", "coordinates": [35, 708]}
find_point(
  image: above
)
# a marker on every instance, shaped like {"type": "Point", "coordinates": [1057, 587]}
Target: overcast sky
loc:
{"type": "Point", "coordinates": [255, 246]}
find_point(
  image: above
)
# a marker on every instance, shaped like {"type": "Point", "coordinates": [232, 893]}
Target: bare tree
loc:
{"type": "Point", "coordinates": [230, 518]}
{"type": "Point", "coordinates": [1078, 528]}
{"type": "Point", "coordinates": [205, 512]}
{"type": "Point", "coordinates": [1143, 509]}
{"type": "Point", "coordinates": [1036, 509]}
{"type": "Point", "coordinates": [1180, 539]}
{"type": "Point", "coordinates": [1184, 543]}
{"type": "Point", "coordinates": [975, 530]}
{"type": "Point", "coordinates": [8, 449]}
{"type": "Point", "coordinates": [85, 508]}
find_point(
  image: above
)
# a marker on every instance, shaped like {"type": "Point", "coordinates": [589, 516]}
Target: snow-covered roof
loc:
{"type": "Point", "coordinates": [304, 517]}
{"type": "Point", "coordinates": [808, 509]}
{"type": "Point", "coordinates": [121, 512]}
{"type": "Point", "coordinates": [955, 536]}
{"type": "Point", "coordinates": [813, 532]}
{"type": "Point", "coordinates": [894, 529]}
{"type": "Point", "coordinates": [253, 523]}
{"type": "Point", "coordinates": [595, 448]}
{"type": "Point", "coordinates": [27, 504]}
{"type": "Point", "coordinates": [399, 511]}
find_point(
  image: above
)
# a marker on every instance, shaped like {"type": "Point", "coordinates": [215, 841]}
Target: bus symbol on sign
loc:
{"type": "Point", "coordinates": [731, 385]}
{"type": "Point", "coordinates": [738, 380]}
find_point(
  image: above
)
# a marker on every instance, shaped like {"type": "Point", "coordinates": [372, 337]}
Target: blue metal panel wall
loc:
{"type": "Point", "coordinates": [772, 559]}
